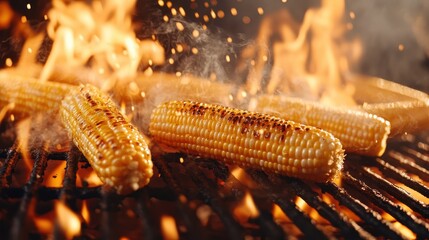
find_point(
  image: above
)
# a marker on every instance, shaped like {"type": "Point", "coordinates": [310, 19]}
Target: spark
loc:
{"type": "Point", "coordinates": [197, 15]}
{"type": "Point", "coordinates": [206, 18]}
{"type": "Point", "coordinates": [182, 11]}
{"type": "Point", "coordinates": [229, 39]}
{"type": "Point", "coordinates": [173, 11]}
{"type": "Point", "coordinates": [180, 26]}
{"type": "Point", "coordinates": [28, 6]}
{"type": "Point", "coordinates": [161, 3]}
{"type": "Point", "coordinates": [178, 74]}
{"type": "Point", "coordinates": [30, 50]}
{"type": "Point", "coordinates": [195, 33]}
{"type": "Point", "coordinates": [234, 12]}
{"type": "Point", "coordinates": [228, 59]}
{"type": "Point", "coordinates": [220, 14]}
{"type": "Point", "coordinates": [246, 20]}
{"type": "Point", "coordinates": [45, 17]}
{"type": "Point", "coordinates": [194, 50]}
{"type": "Point", "coordinates": [171, 61]}
{"type": "Point", "coordinates": [23, 19]}
{"type": "Point", "coordinates": [264, 58]}
{"type": "Point", "coordinates": [213, 14]}
{"type": "Point", "coordinates": [8, 62]}
{"type": "Point", "coordinates": [401, 47]}
{"type": "Point", "coordinates": [169, 4]}
{"type": "Point", "coordinates": [165, 18]}
{"type": "Point", "coordinates": [352, 15]}
{"type": "Point", "coordinates": [260, 11]}
{"type": "Point", "coordinates": [179, 48]}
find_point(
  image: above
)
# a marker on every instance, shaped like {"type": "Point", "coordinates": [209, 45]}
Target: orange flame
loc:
{"type": "Point", "coordinates": [67, 220]}
{"type": "Point", "coordinates": [85, 211]}
{"type": "Point", "coordinates": [168, 227]}
{"type": "Point", "coordinates": [246, 208]}
{"type": "Point", "coordinates": [278, 214]}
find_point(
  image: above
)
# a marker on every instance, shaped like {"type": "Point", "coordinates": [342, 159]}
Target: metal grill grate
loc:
{"type": "Point", "coordinates": [372, 199]}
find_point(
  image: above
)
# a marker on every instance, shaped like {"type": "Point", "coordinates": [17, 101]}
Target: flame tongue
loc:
{"type": "Point", "coordinates": [98, 35]}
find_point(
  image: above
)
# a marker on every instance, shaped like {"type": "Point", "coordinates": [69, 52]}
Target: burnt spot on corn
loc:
{"type": "Point", "coordinates": [107, 140]}
{"type": "Point", "coordinates": [247, 139]}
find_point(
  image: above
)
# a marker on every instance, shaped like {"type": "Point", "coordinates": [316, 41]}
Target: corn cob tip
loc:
{"type": "Point", "coordinates": [115, 148]}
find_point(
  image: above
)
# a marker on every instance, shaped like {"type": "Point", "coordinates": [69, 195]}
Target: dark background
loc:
{"type": "Point", "coordinates": [382, 25]}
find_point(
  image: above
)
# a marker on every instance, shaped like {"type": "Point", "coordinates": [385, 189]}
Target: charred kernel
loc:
{"type": "Point", "coordinates": [258, 141]}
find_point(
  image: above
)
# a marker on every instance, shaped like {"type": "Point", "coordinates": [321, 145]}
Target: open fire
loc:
{"type": "Point", "coordinates": [49, 189]}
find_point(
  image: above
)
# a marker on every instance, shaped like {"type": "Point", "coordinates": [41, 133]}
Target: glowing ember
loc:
{"type": "Point", "coordinates": [246, 208]}
{"type": "Point", "coordinates": [54, 174]}
{"type": "Point", "coordinates": [67, 220]}
{"type": "Point", "coordinates": [278, 214]}
{"type": "Point", "coordinates": [168, 227]}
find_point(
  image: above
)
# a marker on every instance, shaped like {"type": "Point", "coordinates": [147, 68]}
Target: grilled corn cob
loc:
{"type": "Point", "coordinates": [30, 95]}
{"type": "Point", "coordinates": [359, 132]}
{"type": "Point", "coordinates": [407, 116]}
{"type": "Point", "coordinates": [114, 148]}
{"type": "Point", "coordinates": [247, 139]}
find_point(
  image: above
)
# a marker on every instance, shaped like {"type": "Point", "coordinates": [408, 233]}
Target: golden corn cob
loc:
{"type": "Point", "coordinates": [114, 147]}
{"type": "Point", "coordinates": [30, 95]}
{"type": "Point", "coordinates": [247, 139]}
{"type": "Point", "coordinates": [407, 116]}
{"type": "Point", "coordinates": [359, 132]}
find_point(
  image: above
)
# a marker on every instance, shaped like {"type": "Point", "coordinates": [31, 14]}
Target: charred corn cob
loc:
{"type": "Point", "coordinates": [359, 132]}
{"type": "Point", "coordinates": [30, 95]}
{"type": "Point", "coordinates": [247, 139]}
{"type": "Point", "coordinates": [114, 147]}
{"type": "Point", "coordinates": [407, 116]}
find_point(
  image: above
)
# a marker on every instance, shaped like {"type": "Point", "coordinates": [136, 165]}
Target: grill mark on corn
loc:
{"type": "Point", "coordinates": [359, 132]}
{"type": "Point", "coordinates": [114, 148]}
{"type": "Point", "coordinates": [247, 139]}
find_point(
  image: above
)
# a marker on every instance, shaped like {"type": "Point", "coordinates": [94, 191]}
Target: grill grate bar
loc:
{"type": "Point", "coordinates": [399, 160]}
{"type": "Point", "coordinates": [381, 227]}
{"type": "Point", "coordinates": [399, 193]}
{"type": "Point", "coordinates": [400, 176]}
{"type": "Point", "coordinates": [210, 196]}
{"type": "Point", "coordinates": [147, 222]}
{"type": "Point", "coordinates": [387, 205]}
{"type": "Point", "coordinates": [8, 166]}
{"type": "Point", "coordinates": [192, 223]}
{"type": "Point", "coordinates": [109, 203]}
{"type": "Point", "coordinates": [68, 193]}
{"type": "Point", "coordinates": [417, 156]}
{"type": "Point", "coordinates": [347, 226]}
{"type": "Point", "coordinates": [285, 202]}
{"type": "Point", "coordinates": [19, 222]}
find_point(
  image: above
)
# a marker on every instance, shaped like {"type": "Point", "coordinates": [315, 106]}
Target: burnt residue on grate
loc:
{"type": "Point", "coordinates": [202, 194]}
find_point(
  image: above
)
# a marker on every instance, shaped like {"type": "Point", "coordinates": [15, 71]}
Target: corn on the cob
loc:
{"type": "Point", "coordinates": [378, 90]}
{"type": "Point", "coordinates": [115, 149]}
{"type": "Point", "coordinates": [359, 132]}
{"type": "Point", "coordinates": [408, 116]}
{"type": "Point", "coordinates": [247, 139]}
{"type": "Point", "coordinates": [30, 95]}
